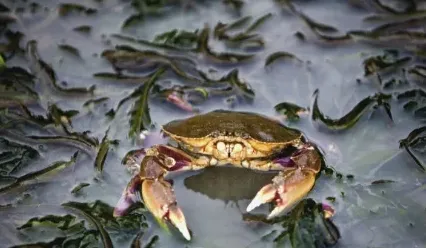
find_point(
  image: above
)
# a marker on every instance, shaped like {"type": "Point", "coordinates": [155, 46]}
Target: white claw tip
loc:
{"type": "Point", "coordinates": [185, 232]}
{"type": "Point", "coordinates": [276, 211]}
{"type": "Point", "coordinates": [256, 202]}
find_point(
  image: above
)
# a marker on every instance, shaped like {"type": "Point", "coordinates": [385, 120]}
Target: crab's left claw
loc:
{"type": "Point", "coordinates": [286, 189]}
{"type": "Point", "coordinates": [160, 200]}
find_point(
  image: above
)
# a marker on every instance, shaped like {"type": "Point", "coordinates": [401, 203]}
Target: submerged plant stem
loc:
{"type": "Point", "coordinates": [60, 165]}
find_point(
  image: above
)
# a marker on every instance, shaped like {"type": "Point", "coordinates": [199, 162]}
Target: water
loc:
{"type": "Point", "coordinates": [388, 215]}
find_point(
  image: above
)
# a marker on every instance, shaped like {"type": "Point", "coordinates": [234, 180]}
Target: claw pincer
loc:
{"type": "Point", "coordinates": [157, 194]}
{"type": "Point", "coordinates": [292, 183]}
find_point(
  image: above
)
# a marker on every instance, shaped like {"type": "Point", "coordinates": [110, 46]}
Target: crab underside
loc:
{"type": "Point", "coordinates": [224, 138]}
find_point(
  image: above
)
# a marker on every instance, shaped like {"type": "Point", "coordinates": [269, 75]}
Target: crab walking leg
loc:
{"type": "Point", "coordinates": [128, 197]}
{"type": "Point", "coordinates": [292, 183]}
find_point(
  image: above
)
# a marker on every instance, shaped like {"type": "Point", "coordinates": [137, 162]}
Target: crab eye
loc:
{"type": "Point", "coordinates": [215, 134]}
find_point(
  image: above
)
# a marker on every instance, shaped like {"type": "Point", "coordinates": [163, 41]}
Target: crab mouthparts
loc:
{"type": "Point", "coordinates": [230, 148]}
{"type": "Point", "coordinates": [234, 150]}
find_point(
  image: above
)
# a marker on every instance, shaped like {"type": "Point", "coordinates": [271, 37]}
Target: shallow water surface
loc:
{"type": "Point", "coordinates": [367, 214]}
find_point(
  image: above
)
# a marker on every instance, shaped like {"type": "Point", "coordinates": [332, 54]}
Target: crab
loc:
{"type": "Point", "coordinates": [218, 138]}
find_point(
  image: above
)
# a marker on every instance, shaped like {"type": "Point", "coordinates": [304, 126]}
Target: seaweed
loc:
{"type": "Point", "coordinates": [46, 75]}
{"type": "Point", "coordinates": [131, 59]}
{"type": "Point", "coordinates": [54, 116]}
{"type": "Point", "coordinates": [280, 55]}
{"type": "Point", "coordinates": [81, 139]}
{"type": "Point", "coordinates": [290, 110]}
{"type": "Point", "coordinates": [176, 42]}
{"type": "Point", "coordinates": [382, 181]}
{"type": "Point", "coordinates": [16, 87]}
{"type": "Point", "coordinates": [181, 39]}
{"type": "Point", "coordinates": [70, 49]}
{"type": "Point", "coordinates": [95, 101]}
{"type": "Point", "coordinates": [140, 118]}
{"type": "Point", "coordinates": [74, 230]}
{"type": "Point", "coordinates": [103, 151]}
{"type": "Point", "coordinates": [224, 57]}
{"type": "Point", "coordinates": [65, 9]}
{"type": "Point", "coordinates": [414, 101]}
{"type": "Point", "coordinates": [247, 36]}
{"type": "Point", "coordinates": [145, 9]}
{"type": "Point", "coordinates": [12, 46]}
{"type": "Point", "coordinates": [83, 29]}
{"type": "Point", "coordinates": [55, 167]}
{"type": "Point", "coordinates": [79, 187]}
{"type": "Point", "coordinates": [304, 226]}
{"type": "Point", "coordinates": [353, 116]}
{"type": "Point", "coordinates": [415, 142]}
{"type": "Point", "coordinates": [236, 4]}
{"type": "Point", "coordinates": [132, 20]}
{"type": "Point", "coordinates": [15, 156]}
{"type": "Point", "coordinates": [106, 240]}
{"type": "Point", "coordinates": [375, 64]}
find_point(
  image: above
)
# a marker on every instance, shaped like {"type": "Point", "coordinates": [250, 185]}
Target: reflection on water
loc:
{"type": "Point", "coordinates": [228, 184]}
{"type": "Point", "coordinates": [91, 77]}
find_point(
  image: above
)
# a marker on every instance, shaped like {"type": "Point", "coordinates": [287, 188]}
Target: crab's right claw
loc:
{"type": "Point", "coordinates": [160, 200]}
{"type": "Point", "coordinates": [286, 190]}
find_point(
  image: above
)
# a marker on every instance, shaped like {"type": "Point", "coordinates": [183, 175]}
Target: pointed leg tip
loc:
{"type": "Point", "coordinates": [120, 209]}
{"type": "Point", "coordinates": [123, 205]}
{"type": "Point", "coordinates": [117, 213]}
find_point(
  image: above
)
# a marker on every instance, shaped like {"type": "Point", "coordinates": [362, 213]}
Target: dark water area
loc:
{"type": "Point", "coordinates": [82, 84]}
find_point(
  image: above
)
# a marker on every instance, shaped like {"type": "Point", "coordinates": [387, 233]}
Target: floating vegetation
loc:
{"type": "Point", "coordinates": [414, 101]}
{"type": "Point", "coordinates": [180, 39]}
{"type": "Point", "coordinates": [55, 167]}
{"type": "Point", "coordinates": [305, 226]}
{"type": "Point", "coordinates": [380, 63]}
{"type": "Point", "coordinates": [244, 37]}
{"type": "Point", "coordinates": [353, 116]}
{"type": "Point", "coordinates": [17, 87]}
{"type": "Point", "coordinates": [95, 101]}
{"type": "Point", "coordinates": [103, 151]}
{"type": "Point", "coordinates": [74, 230]}
{"type": "Point", "coordinates": [46, 75]}
{"type": "Point", "coordinates": [382, 181]}
{"type": "Point", "coordinates": [70, 49]}
{"type": "Point", "coordinates": [83, 29]}
{"type": "Point", "coordinates": [66, 9]}
{"type": "Point", "coordinates": [79, 187]}
{"type": "Point", "coordinates": [140, 118]}
{"type": "Point", "coordinates": [11, 47]}
{"type": "Point", "coordinates": [2, 63]}
{"type": "Point", "coordinates": [415, 141]}
{"type": "Point", "coordinates": [170, 40]}
{"type": "Point", "coordinates": [15, 156]}
{"type": "Point", "coordinates": [290, 111]}
{"type": "Point", "coordinates": [232, 58]}
{"type": "Point", "coordinates": [281, 56]}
